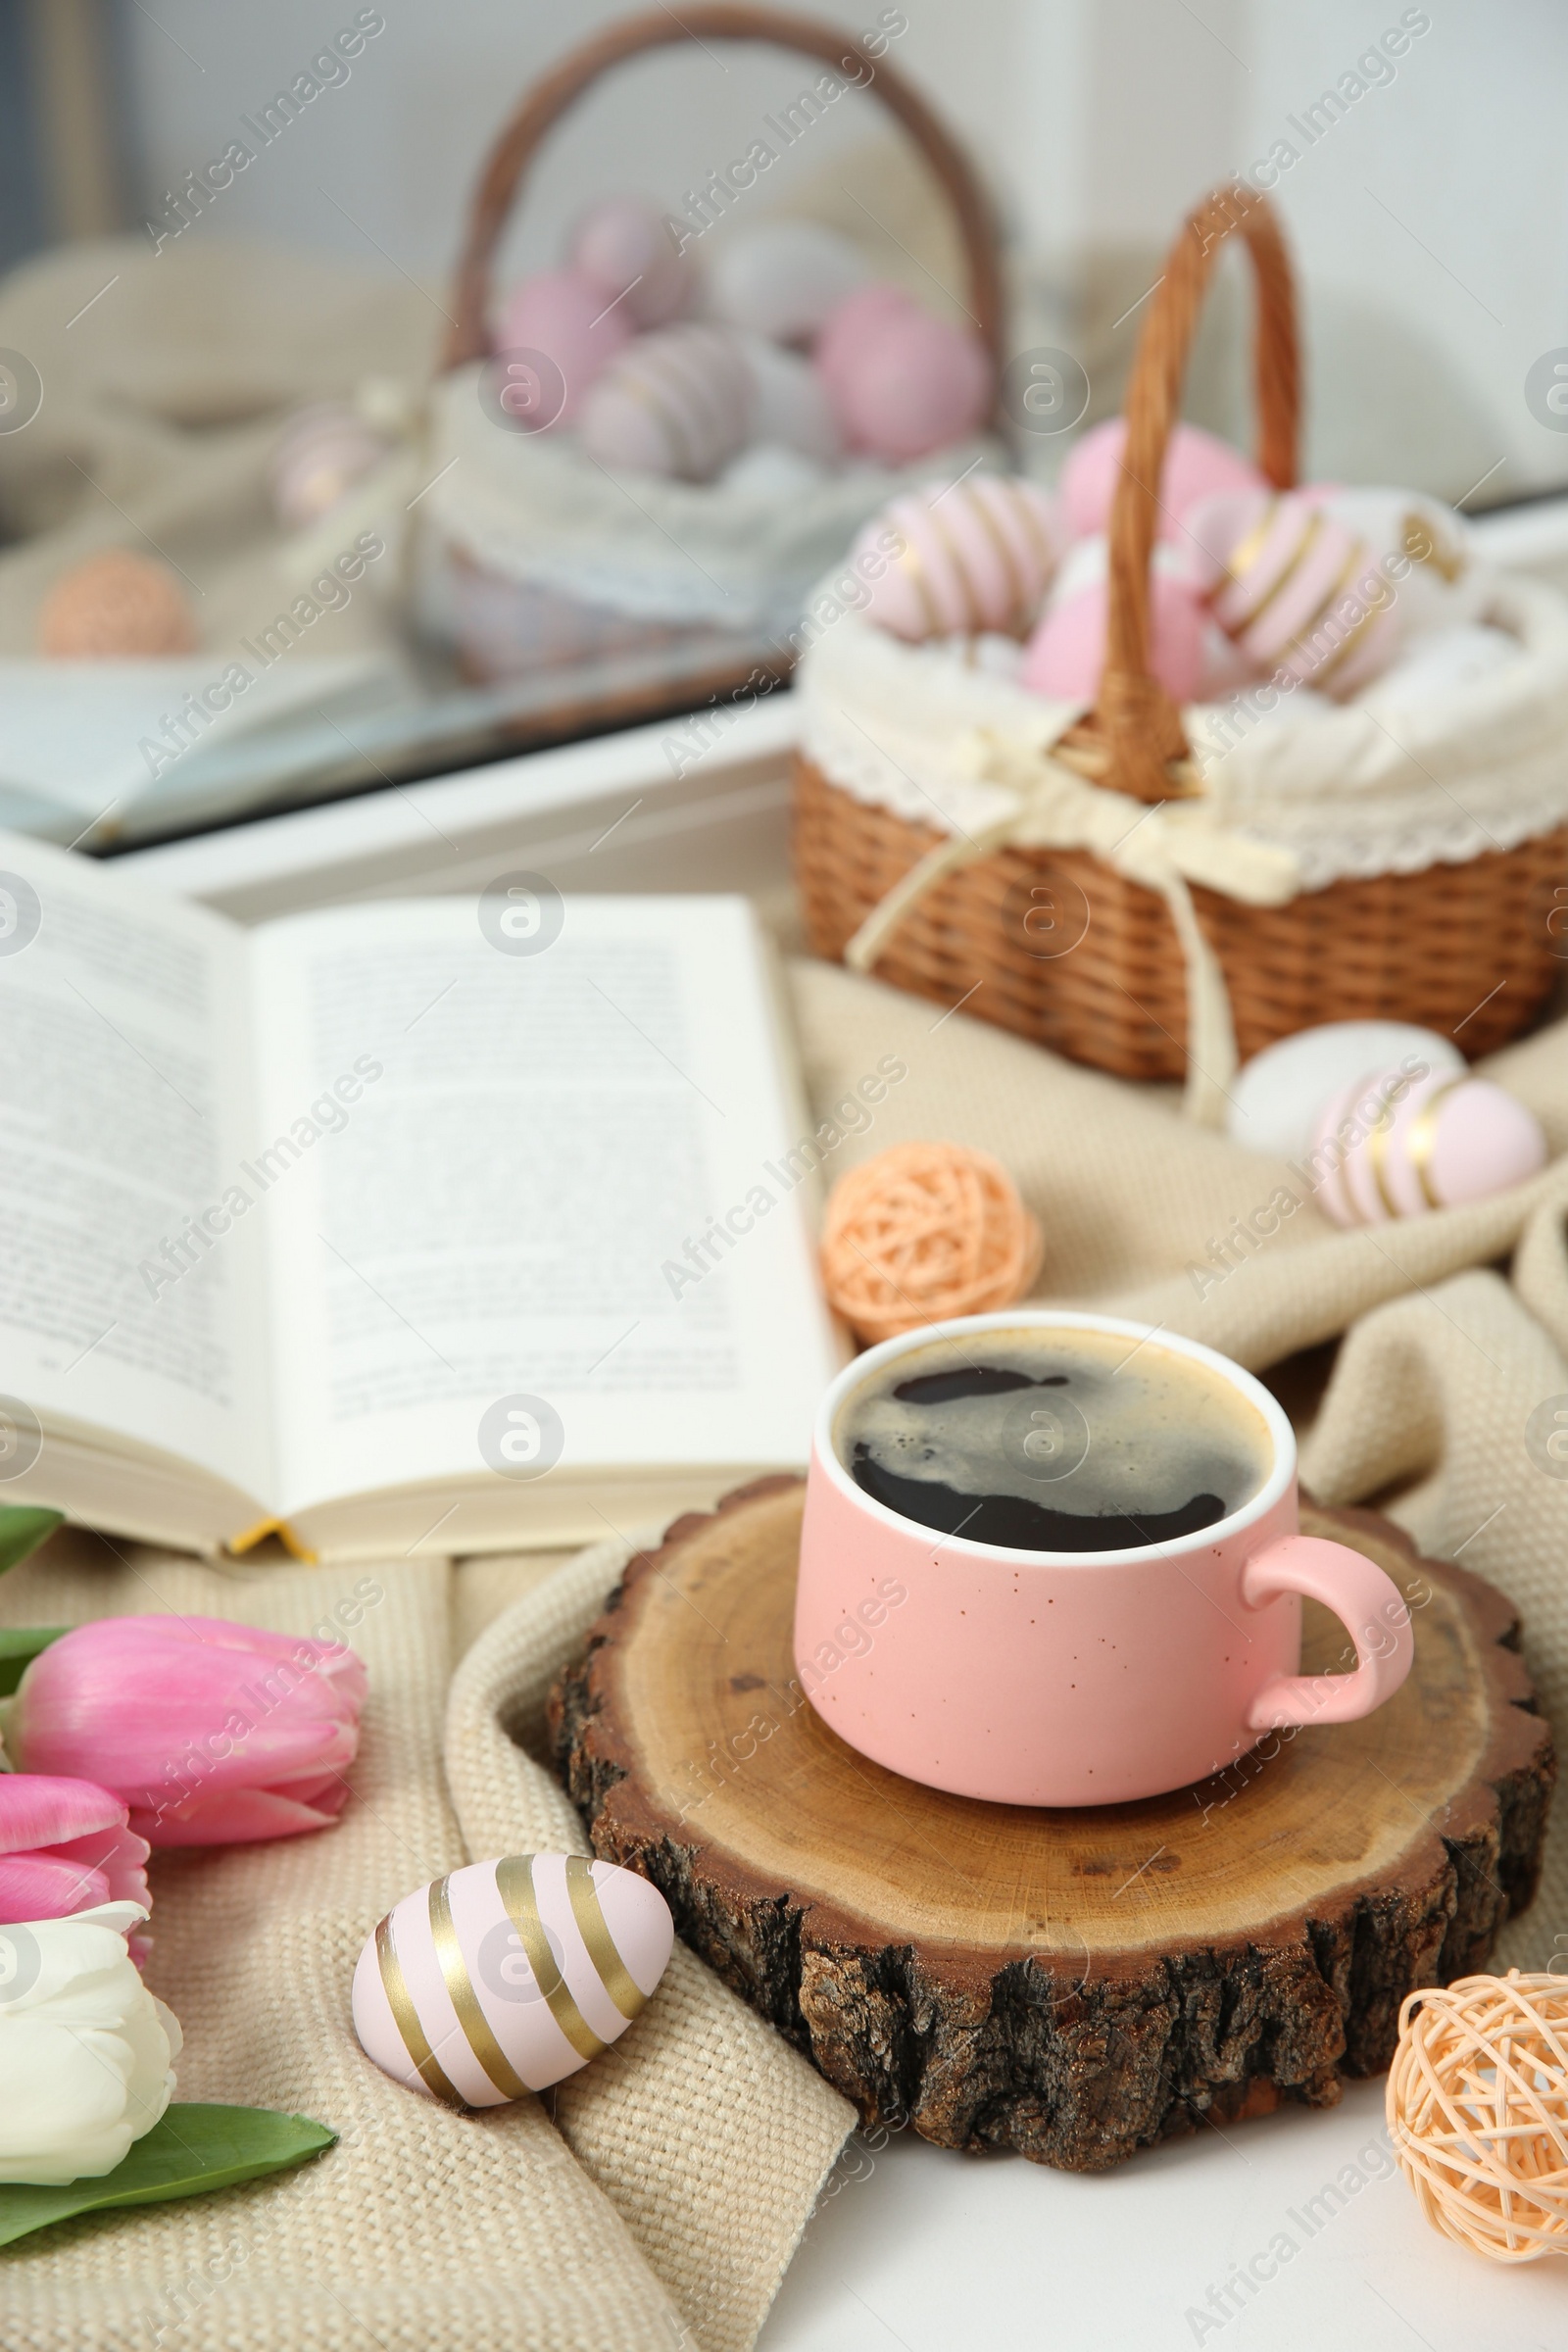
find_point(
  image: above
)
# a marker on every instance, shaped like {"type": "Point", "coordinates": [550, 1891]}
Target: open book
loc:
{"type": "Point", "coordinates": [434, 1225]}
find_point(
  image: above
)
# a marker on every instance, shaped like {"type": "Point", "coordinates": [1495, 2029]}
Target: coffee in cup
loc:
{"type": "Point", "coordinates": [1069, 1440]}
{"type": "Point", "coordinates": [1092, 1531]}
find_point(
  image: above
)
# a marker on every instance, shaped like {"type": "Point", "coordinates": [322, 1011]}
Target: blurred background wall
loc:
{"type": "Point", "coordinates": [1428, 209]}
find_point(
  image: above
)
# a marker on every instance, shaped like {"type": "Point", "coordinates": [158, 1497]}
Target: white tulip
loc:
{"type": "Point", "coordinates": [86, 2049]}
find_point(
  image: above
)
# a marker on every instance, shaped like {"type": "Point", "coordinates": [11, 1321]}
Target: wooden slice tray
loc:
{"type": "Point", "coordinates": [1074, 1985]}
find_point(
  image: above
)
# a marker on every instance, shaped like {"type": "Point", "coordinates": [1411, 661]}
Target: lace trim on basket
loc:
{"type": "Point", "coordinates": [1483, 766]}
{"type": "Point", "coordinates": [532, 508]}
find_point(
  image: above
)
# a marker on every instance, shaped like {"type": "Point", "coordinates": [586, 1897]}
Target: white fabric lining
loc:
{"type": "Point", "coordinates": [917, 729]}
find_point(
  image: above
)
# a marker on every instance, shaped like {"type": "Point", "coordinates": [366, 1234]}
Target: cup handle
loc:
{"type": "Point", "coordinates": [1369, 1605]}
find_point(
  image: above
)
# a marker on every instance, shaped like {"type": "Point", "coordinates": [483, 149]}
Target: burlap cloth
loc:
{"type": "Point", "coordinates": [656, 2198]}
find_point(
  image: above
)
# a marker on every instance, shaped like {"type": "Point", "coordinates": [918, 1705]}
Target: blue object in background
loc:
{"type": "Point", "coordinates": [24, 203]}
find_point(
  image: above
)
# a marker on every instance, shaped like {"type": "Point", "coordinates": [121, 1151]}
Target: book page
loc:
{"type": "Point", "coordinates": [130, 1279]}
{"type": "Point", "coordinates": [522, 1150]}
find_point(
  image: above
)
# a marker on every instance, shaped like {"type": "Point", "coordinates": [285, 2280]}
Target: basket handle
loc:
{"type": "Point", "coordinates": [550, 98]}
{"type": "Point", "coordinates": [1134, 719]}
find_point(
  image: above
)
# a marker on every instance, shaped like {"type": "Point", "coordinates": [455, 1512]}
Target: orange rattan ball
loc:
{"type": "Point", "coordinates": [115, 607]}
{"type": "Point", "coordinates": [924, 1230]}
{"type": "Point", "coordinates": [1478, 2111]}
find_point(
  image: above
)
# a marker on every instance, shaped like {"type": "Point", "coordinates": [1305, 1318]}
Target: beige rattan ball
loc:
{"type": "Point", "coordinates": [1478, 2111]}
{"type": "Point", "coordinates": [924, 1230]}
{"type": "Point", "coordinates": [115, 607]}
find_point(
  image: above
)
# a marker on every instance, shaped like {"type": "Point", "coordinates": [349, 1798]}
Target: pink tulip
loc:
{"type": "Point", "coordinates": [64, 1847]}
{"type": "Point", "coordinates": [213, 1733]}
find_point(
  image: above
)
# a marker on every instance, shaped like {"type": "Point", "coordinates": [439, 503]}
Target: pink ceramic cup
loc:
{"type": "Point", "coordinates": [1036, 1677]}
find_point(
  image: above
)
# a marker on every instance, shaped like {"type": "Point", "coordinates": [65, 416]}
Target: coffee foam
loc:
{"type": "Point", "coordinates": [1098, 1426]}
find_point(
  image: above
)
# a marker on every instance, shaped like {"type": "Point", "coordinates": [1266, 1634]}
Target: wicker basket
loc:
{"type": "Point", "coordinates": [508, 627]}
{"type": "Point", "coordinates": [1086, 962]}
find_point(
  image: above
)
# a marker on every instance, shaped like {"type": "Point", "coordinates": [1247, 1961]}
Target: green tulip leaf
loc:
{"type": "Point", "coordinates": [19, 1644]}
{"type": "Point", "coordinates": [22, 1530]}
{"type": "Point", "coordinates": [190, 2150]}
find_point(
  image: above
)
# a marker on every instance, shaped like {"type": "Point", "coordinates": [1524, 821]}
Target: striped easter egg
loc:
{"type": "Point", "coordinates": [1294, 588]}
{"type": "Point", "coordinates": [506, 1975]}
{"type": "Point", "coordinates": [1390, 1146]}
{"type": "Point", "coordinates": [971, 556]}
{"type": "Point", "coordinates": [677, 402]}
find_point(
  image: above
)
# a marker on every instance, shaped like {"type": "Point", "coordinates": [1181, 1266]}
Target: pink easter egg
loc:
{"type": "Point", "coordinates": [568, 317]}
{"type": "Point", "coordinates": [1294, 588]}
{"type": "Point", "coordinates": [677, 402]}
{"type": "Point", "coordinates": [621, 246]}
{"type": "Point", "coordinates": [973, 556]}
{"type": "Point", "coordinates": [507, 1976]}
{"type": "Point", "coordinates": [1485, 1141]}
{"type": "Point", "coordinates": [914, 385]}
{"type": "Point", "coordinates": [1196, 466]}
{"type": "Point", "coordinates": [1386, 1148]}
{"type": "Point", "coordinates": [853, 326]}
{"type": "Point", "coordinates": [1066, 654]}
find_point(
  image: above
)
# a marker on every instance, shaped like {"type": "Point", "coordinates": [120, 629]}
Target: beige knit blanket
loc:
{"type": "Point", "coordinates": [655, 2199]}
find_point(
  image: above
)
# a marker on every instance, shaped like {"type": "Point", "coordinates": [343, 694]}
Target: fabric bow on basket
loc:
{"type": "Point", "coordinates": [1164, 845]}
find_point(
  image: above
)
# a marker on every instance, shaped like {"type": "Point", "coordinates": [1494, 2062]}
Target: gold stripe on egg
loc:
{"type": "Point", "coordinates": [1029, 524]}
{"type": "Point", "coordinates": [696, 371]}
{"type": "Point", "coordinates": [594, 1929]}
{"type": "Point", "coordinates": [1348, 643]}
{"type": "Point", "coordinates": [1006, 556]}
{"type": "Point", "coordinates": [1377, 1152]}
{"type": "Point", "coordinates": [1283, 577]}
{"type": "Point", "coordinates": [1422, 1139]}
{"type": "Point", "coordinates": [464, 2001]}
{"type": "Point", "coordinates": [407, 2020]}
{"type": "Point", "coordinates": [1423, 545]}
{"type": "Point", "coordinates": [954, 556]}
{"type": "Point", "coordinates": [1241, 558]}
{"type": "Point", "coordinates": [515, 1887]}
{"type": "Point", "coordinates": [1321, 611]}
{"type": "Point", "coordinates": [656, 397]}
{"type": "Point", "coordinates": [911, 559]}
